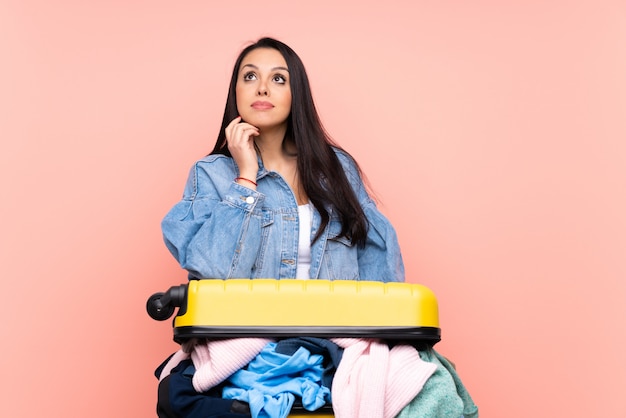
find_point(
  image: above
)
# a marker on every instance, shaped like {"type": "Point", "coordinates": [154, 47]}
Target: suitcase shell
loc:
{"type": "Point", "coordinates": [215, 308]}
{"type": "Point", "coordinates": [322, 308]}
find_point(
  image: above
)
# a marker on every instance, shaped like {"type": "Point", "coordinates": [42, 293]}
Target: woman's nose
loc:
{"type": "Point", "coordinates": [262, 90]}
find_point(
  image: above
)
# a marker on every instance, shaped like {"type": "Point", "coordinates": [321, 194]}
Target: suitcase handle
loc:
{"type": "Point", "coordinates": [160, 306]}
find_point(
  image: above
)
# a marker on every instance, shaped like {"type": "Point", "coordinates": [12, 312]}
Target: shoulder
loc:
{"type": "Point", "coordinates": [214, 165]}
{"type": "Point", "coordinates": [349, 164]}
{"type": "Point", "coordinates": [215, 160]}
{"type": "Point", "coordinates": [346, 160]}
{"type": "Point", "coordinates": [209, 173]}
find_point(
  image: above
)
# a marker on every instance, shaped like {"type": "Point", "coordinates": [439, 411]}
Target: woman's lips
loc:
{"type": "Point", "coordinates": [259, 105]}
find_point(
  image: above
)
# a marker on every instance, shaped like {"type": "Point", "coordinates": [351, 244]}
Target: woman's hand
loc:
{"type": "Point", "coordinates": [240, 140]}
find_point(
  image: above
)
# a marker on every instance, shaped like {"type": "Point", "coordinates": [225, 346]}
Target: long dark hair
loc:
{"type": "Point", "coordinates": [321, 173]}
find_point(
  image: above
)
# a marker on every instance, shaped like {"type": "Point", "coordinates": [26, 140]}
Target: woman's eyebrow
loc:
{"type": "Point", "coordinates": [256, 68]}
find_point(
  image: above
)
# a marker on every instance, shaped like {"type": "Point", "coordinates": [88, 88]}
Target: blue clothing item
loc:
{"type": "Point", "coordinates": [332, 353]}
{"type": "Point", "coordinates": [223, 230]}
{"type": "Point", "coordinates": [272, 380]}
{"type": "Point", "coordinates": [443, 394]}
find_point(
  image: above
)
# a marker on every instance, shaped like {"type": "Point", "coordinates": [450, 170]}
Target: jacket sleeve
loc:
{"type": "Point", "coordinates": [380, 259]}
{"type": "Point", "coordinates": [214, 231]}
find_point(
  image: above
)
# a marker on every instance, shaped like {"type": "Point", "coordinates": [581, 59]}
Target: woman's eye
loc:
{"type": "Point", "coordinates": [249, 76]}
{"type": "Point", "coordinates": [278, 78]}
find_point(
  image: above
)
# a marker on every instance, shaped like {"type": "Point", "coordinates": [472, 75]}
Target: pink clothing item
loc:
{"type": "Point", "coordinates": [372, 381]}
{"type": "Point", "coordinates": [217, 360]}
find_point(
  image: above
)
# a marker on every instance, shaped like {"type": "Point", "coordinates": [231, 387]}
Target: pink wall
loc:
{"type": "Point", "coordinates": [493, 132]}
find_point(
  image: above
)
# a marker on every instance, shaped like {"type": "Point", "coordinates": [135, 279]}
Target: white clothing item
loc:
{"type": "Point", "coordinates": [304, 242]}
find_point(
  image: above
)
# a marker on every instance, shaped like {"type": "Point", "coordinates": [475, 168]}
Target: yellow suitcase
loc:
{"type": "Point", "coordinates": [213, 308]}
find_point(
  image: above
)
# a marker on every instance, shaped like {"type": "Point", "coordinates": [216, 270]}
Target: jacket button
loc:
{"type": "Point", "coordinates": [249, 200]}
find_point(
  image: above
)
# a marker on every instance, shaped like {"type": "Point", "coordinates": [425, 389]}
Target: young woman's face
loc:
{"type": "Point", "coordinates": [263, 91]}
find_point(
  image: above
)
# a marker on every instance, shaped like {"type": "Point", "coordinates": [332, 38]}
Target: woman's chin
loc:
{"type": "Point", "coordinates": [265, 124]}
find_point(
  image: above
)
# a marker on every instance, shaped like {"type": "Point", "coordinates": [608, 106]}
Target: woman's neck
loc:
{"type": "Point", "coordinates": [280, 155]}
{"type": "Point", "coordinates": [274, 148]}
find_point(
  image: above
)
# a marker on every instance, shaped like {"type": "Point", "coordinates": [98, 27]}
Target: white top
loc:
{"type": "Point", "coordinates": [304, 242]}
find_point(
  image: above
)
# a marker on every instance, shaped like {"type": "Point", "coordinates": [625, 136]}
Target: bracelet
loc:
{"type": "Point", "coordinates": [248, 180]}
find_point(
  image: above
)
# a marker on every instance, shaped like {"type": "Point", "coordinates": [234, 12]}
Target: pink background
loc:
{"type": "Point", "coordinates": [493, 133]}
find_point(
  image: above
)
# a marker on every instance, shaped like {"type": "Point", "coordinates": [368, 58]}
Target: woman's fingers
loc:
{"type": "Point", "coordinates": [229, 128]}
{"type": "Point", "coordinates": [240, 140]}
{"type": "Point", "coordinates": [240, 133]}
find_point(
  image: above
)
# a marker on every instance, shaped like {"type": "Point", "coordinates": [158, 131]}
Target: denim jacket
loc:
{"type": "Point", "coordinates": [223, 230]}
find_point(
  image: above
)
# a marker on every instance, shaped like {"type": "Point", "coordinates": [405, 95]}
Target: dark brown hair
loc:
{"type": "Point", "coordinates": [321, 173]}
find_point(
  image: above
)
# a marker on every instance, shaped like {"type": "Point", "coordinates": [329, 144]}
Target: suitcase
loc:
{"type": "Point", "coordinates": [212, 308]}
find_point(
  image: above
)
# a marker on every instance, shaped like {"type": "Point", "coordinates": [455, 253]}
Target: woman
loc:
{"type": "Point", "coordinates": [276, 198]}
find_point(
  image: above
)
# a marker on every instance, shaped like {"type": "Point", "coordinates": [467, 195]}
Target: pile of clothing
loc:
{"type": "Point", "coordinates": [259, 377]}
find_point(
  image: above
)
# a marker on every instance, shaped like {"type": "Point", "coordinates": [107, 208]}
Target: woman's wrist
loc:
{"type": "Point", "coordinates": [246, 181]}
